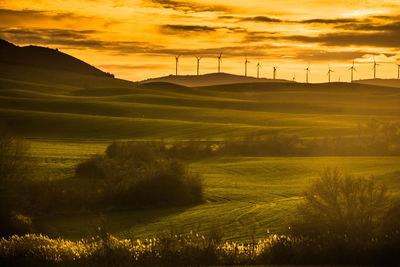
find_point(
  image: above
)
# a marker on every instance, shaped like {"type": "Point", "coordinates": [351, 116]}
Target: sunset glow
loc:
{"type": "Point", "coordinates": [138, 39]}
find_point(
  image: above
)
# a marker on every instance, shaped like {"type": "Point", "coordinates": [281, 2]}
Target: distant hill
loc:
{"type": "Point", "coordinates": [46, 58]}
{"type": "Point", "coordinates": [381, 82]}
{"type": "Point", "coordinates": [211, 79]}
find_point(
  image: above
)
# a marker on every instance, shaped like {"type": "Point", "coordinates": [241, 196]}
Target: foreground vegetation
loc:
{"type": "Point", "coordinates": [342, 220]}
{"type": "Point", "coordinates": [193, 249]}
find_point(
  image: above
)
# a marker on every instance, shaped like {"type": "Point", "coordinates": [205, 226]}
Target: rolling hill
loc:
{"type": "Point", "coordinates": [381, 82]}
{"type": "Point", "coordinates": [44, 58]}
{"type": "Point", "coordinates": [49, 100]}
{"type": "Point", "coordinates": [211, 79]}
{"type": "Point", "coordinates": [70, 114]}
{"type": "Point", "coordinates": [46, 66]}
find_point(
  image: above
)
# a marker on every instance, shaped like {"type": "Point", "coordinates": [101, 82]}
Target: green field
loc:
{"type": "Point", "coordinates": [67, 122]}
{"type": "Point", "coordinates": [245, 196]}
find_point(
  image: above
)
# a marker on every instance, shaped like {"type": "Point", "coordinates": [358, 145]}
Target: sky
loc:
{"type": "Point", "coordinates": [139, 39]}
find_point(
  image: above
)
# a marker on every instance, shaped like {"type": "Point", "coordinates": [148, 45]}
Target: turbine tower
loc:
{"type": "Point", "coordinates": [245, 67]}
{"type": "Point", "coordinates": [329, 73]}
{"type": "Point", "coordinates": [274, 69]}
{"type": "Point", "coordinates": [258, 69]}
{"type": "Point", "coordinates": [198, 65]}
{"type": "Point", "coordinates": [398, 71]}
{"type": "Point", "coordinates": [294, 77]}
{"type": "Point", "coordinates": [219, 62]}
{"type": "Point", "coordinates": [307, 72]}
{"type": "Point", "coordinates": [352, 69]}
{"type": "Point", "coordinates": [375, 64]}
{"type": "Point", "coordinates": [176, 65]}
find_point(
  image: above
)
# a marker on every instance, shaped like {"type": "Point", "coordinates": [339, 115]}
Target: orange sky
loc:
{"type": "Point", "coordinates": [137, 39]}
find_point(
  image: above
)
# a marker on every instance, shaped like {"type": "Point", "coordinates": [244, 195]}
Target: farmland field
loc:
{"type": "Point", "coordinates": [244, 196]}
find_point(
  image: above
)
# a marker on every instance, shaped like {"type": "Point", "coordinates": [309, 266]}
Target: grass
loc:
{"type": "Point", "coordinates": [245, 196]}
{"type": "Point", "coordinates": [76, 116]}
{"type": "Point", "coordinates": [114, 109]}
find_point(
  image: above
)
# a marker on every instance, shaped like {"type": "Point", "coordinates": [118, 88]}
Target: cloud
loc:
{"type": "Point", "coordinates": [187, 6]}
{"type": "Point", "coordinates": [252, 37]}
{"type": "Point", "coordinates": [260, 50]}
{"type": "Point", "coordinates": [330, 56]}
{"type": "Point", "coordinates": [374, 39]}
{"type": "Point", "coordinates": [260, 19]}
{"type": "Point", "coordinates": [72, 39]}
{"type": "Point", "coordinates": [188, 29]}
{"type": "Point", "coordinates": [326, 21]}
{"type": "Point", "coordinates": [29, 17]}
{"type": "Point", "coordinates": [265, 19]}
{"type": "Point", "coordinates": [394, 27]}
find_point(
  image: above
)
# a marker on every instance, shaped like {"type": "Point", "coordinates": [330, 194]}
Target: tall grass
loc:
{"type": "Point", "coordinates": [193, 250]}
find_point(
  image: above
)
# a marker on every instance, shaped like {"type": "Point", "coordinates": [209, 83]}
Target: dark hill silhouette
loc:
{"type": "Point", "coordinates": [50, 68]}
{"type": "Point", "coordinates": [211, 79]}
{"type": "Point", "coordinates": [46, 58]}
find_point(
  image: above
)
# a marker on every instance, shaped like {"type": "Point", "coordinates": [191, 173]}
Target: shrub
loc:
{"type": "Point", "coordinates": [141, 174]}
{"type": "Point", "coordinates": [338, 205]}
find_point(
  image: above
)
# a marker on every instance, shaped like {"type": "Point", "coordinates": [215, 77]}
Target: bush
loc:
{"type": "Point", "coordinates": [141, 174]}
{"type": "Point", "coordinates": [338, 205]}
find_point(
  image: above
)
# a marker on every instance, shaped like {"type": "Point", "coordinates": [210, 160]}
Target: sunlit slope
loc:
{"type": "Point", "coordinates": [160, 110]}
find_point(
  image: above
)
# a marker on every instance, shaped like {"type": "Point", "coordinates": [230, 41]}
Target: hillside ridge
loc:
{"type": "Point", "coordinates": [45, 58]}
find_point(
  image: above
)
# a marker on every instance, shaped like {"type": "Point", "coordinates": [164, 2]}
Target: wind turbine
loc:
{"type": "Point", "coordinates": [245, 67]}
{"type": "Point", "coordinates": [198, 65]}
{"type": "Point", "coordinates": [352, 68]}
{"type": "Point", "coordinates": [274, 69]}
{"type": "Point", "coordinates": [176, 64]}
{"type": "Point", "coordinates": [375, 64]}
{"type": "Point", "coordinates": [219, 62]}
{"type": "Point", "coordinates": [307, 72]}
{"type": "Point", "coordinates": [258, 69]}
{"type": "Point", "coordinates": [398, 71]}
{"type": "Point", "coordinates": [294, 77]}
{"type": "Point", "coordinates": [329, 73]}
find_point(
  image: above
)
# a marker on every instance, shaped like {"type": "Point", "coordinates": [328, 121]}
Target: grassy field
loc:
{"type": "Point", "coordinates": [67, 122]}
{"type": "Point", "coordinates": [245, 196]}
{"type": "Point", "coordinates": [155, 111]}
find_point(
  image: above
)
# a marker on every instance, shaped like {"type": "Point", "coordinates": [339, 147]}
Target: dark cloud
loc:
{"type": "Point", "coordinates": [378, 39]}
{"type": "Point", "coordinates": [188, 29]}
{"type": "Point", "coordinates": [187, 6]}
{"type": "Point", "coordinates": [71, 39]}
{"type": "Point", "coordinates": [265, 19]}
{"type": "Point", "coordinates": [326, 21]}
{"type": "Point", "coordinates": [394, 27]}
{"type": "Point", "coordinates": [260, 19]}
{"type": "Point", "coordinates": [10, 15]}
